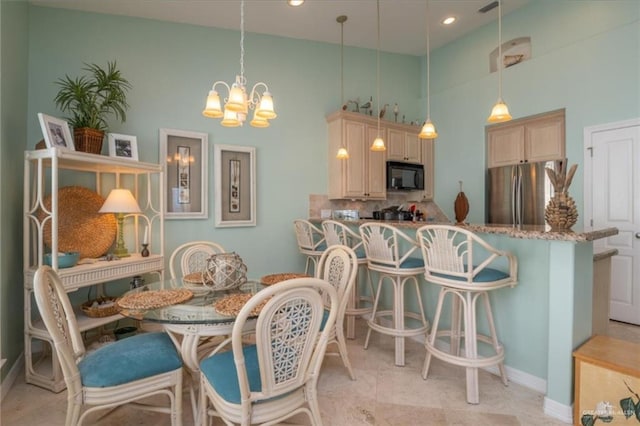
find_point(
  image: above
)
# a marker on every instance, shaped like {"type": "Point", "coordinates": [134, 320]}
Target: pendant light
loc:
{"type": "Point", "coordinates": [378, 143]}
{"type": "Point", "coordinates": [428, 130]}
{"type": "Point", "coordinates": [238, 103]}
{"type": "Point", "coordinates": [342, 152]}
{"type": "Point", "coordinates": [500, 111]}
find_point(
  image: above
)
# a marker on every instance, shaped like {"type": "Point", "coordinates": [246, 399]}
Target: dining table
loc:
{"type": "Point", "coordinates": [192, 321]}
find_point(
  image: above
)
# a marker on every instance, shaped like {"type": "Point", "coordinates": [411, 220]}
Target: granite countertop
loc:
{"type": "Point", "coordinates": [533, 232]}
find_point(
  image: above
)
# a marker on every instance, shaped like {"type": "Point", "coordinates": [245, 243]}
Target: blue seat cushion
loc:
{"type": "Point", "coordinates": [360, 253]}
{"type": "Point", "coordinates": [412, 262]}
{"type": "Point", "coordinates": [325, 317]}
{"type": "Point", "coordinates": [128, 360]}
{"type": "Point", "coordinates": [220, 370]}
{"type": "Point", "coordinates": [485, 276]}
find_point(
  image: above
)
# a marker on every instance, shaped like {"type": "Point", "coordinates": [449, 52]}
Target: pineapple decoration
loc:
{"type": "Point", "coordinates": [561, 213]}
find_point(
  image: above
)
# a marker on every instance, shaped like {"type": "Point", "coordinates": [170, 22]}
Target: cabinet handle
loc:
{"type": "Point", "coordinates": [638, 235]}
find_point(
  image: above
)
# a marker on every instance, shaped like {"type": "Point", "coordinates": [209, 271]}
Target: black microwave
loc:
{"type": "Point", "coordinates": [405, 176]}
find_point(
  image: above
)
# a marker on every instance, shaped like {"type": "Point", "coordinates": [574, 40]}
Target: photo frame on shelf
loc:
{"type": "Point", "coordinates": [184, 157]}
{"type": "Point", "coordinates": [56, 132]}
{"type": "Point", "coordinates": [123, 146]}
{"type": "Point", "coordinates": [235, 185]}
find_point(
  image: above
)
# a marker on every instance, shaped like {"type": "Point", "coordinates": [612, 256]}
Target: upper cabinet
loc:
{"type": "Point", "coordinates": [363, 174]}
{"type": "Point", "coordinates": [531, 139]}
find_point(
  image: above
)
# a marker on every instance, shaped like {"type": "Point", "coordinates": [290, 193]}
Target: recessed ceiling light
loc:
{"type": "Point", "coordinates": [449, 20]}
{"type": "Point", "coordinates": [295, 2]}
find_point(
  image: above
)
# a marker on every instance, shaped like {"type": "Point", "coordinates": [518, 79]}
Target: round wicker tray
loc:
{"type": "Point", "coordinates": [232, 304]}
{"type": "Point", "coordinates": [276, 278]}
{"type": "Point", "coordinates": [153, 299]}
{"type": "Point", "coordinates": [101, 310]}
{"type": "Point", "coordinates": [80, 227]}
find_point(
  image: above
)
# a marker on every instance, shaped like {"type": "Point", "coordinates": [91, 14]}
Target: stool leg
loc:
{"type": "Point", "coordinates": [398, 317]}
{"type": "Point", "coordinates": [342, 349]}
{"type": "Point", "coordinates": [431, 338]}
{"type": "Point", "coordinates": [420, 305]}
{"type": "Point", "coordinates": [456, 323]}
{"type": "Point", "coordinates": [494, 336]}
{"type": "Point", "coordinates": [375, 308]}
{"type": "Point", "coordinates": [471, 346]}
{"type": "Point", "coordinates": [306, 265]}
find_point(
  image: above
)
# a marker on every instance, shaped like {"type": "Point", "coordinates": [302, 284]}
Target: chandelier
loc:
{"type": "Point", "coordinates": [238, 103]}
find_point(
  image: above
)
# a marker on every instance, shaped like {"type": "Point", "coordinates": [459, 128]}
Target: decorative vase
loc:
{"type": "Point", "coordinates": [561, 212]}
{"type": "Point", "coordinates": [461, 206]}
{"type": "Point", "coordinates": [224, 271]}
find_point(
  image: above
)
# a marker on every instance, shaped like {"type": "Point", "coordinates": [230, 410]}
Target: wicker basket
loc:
{"type": "Point", "coordinates": [100, 311]}
{"type": "Point", "coordinates": [89, 140]}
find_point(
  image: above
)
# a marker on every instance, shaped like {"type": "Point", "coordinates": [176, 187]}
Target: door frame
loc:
{"type": "Point", "coordinates": [588, 178]}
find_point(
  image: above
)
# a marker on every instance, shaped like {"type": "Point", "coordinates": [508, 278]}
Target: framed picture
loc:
{"type": "Point", "coordinates": [56, 132]}
{"type": "Point", "coordinates": [235, 185]}
{"type": "Point", "coordinates": [184, 155]}
{"type": "Point", "coordinates": [123, 146]}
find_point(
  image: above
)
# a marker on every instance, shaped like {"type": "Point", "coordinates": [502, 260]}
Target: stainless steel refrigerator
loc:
{"type": "Point", "coordinates": [517, 195]}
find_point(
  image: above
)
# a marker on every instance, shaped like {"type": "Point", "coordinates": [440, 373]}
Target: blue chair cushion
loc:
{"type": "Point", "coordinates": [360, 253]}
{"type": "Point", "coordinates": [220, 371]}
{"type": "Point", "coordinates": [128, 360]}
{"type": "Point", "coordinates": [412, 262]}
{"type": "Point", "coordinates": [325, 317]}
{"type": "Point", "coordinates": [485, 276]}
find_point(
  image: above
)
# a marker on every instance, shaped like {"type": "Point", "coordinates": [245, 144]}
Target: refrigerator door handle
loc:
{"type": "Point", "coordinates": [518, 197]}
{"type": "Point", "coordinates": [514, 183]}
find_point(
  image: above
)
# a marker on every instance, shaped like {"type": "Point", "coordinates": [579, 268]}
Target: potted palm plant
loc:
{"type": "Point", "coordinates": [90, 99]}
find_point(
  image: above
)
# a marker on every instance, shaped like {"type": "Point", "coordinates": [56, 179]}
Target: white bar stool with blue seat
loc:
{"type": "Point", "coordinates": [464, 266]}
{"type": "Point", "coordinates": [389, 253]}
{"type": "Point", "coordinates": [359, 304]}
{"type": "Point", "coordinates": [311, 242]}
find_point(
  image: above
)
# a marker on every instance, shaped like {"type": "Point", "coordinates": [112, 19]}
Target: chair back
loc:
{"type": "Point", "coordinates": [456, 256]}
{"type": "Point", "coordinates": [289, 340]}
{"type": "Point", "coordinates": [336, 233]}
{"type": "Point", "coordinates": [310, 238]}
{"type": "Point", "coordinates": [339, 266]}
{"type": "Point", "coordinates": [192, 257]}
{"type": "Point", "coordinates": [388, 249]}
{"type": "Point", "coordinates": [60, 321]}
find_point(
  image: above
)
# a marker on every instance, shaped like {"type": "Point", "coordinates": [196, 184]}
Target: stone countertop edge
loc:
{"type": "Point", "coordinates": [605, 254]}
{"type": "Point", "coordinates": [532, 232]}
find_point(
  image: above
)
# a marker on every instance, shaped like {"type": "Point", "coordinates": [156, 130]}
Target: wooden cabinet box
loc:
{"type": "Point", "coordinates": [607, 382]}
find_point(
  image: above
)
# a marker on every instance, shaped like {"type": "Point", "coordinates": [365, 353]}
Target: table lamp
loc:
{"type": "Point", "coordinates": [120, 201]}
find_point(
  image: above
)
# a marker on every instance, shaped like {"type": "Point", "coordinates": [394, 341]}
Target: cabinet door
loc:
{"type": "Point", "coordinates": [355, 175]}
{"type": "Point", "coordinates": [395, 145]}
{"type": "Point", "coordinates": [376, 166]}
{"type": "Point", "coordinates": [413, 147]}
{"type": "Point", "coordinates": [545, 139]}
{"type": "Point", "coordinates": [505, 146]}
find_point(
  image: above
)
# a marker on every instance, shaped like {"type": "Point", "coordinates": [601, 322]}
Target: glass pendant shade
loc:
{"type": "Point", "coordinates": [342, 154]}
{"type": "Point", "coordinates": [428, 131]}
{"type": "Point", "coordinates": [378, 145]}
{"type": "Point", "coordinates": [265, 108]}
{"type": "Point", "coordinates": [213, 108]}
{"type": "Point", "coordinates": [258, 121]}
{"type": "Point", "coordinates": [230, 118]}
{"type": "Point", "coordinates": [236, 100]}
{"type": "Point", "coordinates": [499, 113]}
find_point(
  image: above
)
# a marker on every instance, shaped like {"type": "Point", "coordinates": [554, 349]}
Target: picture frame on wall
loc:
{"type": "Point", "coordinates": [123, 146]}
{"type": "Point", "coordinates": [56, 132]}
{"type": "Point", "coordinates": [184, 156]}
{"type": "Point", "coordinates": [235, 185]}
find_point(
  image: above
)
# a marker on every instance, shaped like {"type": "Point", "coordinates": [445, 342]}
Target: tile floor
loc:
{"type": "Point", "coordinates": [382, 395]}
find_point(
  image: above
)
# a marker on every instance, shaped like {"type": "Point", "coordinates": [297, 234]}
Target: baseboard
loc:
{"type": "Point", "coordinates": [554, 409]}
{"type": "Point", "coordinates": [11, 377]}
{"type": "Point", "coordinates": [522, 378]}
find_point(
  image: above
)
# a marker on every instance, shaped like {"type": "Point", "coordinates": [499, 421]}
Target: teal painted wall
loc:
{"type": "Point", "coordinates": [584, 58]}
{"type": "Point", "coordinates": [13, 109]}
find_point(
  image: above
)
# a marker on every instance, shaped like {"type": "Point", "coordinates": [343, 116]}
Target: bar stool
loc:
{"type": "Point", "coordinates": [336, 233]}
{"type": "Point", "coordinates": [389, 253]}
{"type": "Point", "coordinates": [458, 261]}
{"type": "Point", "coordinates": [311, 242]}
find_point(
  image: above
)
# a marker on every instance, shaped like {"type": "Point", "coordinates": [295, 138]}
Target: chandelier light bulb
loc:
{"type": "Point", "coordinates": [230, 119]}
{"type": "Point", "coordinates": [378, 145]}
{"type": "Point", "coordinates": [342, 154]}
{"type": "Point", "coordinates": [499, 112]}
{"type": "Point", "coordinates": [258, 121]}
{"type": "Point", "coordinates": [265, 108]}
{"type": "Point", "coordinates": [428, 131]}
{"type": "Point", "coordinates": [213, 108]}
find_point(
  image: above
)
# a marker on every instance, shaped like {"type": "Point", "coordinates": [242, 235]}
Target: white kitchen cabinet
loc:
{"type": "Point", "coordinates": [530, 139]}
{"type": "Point", "coordinates": [403, 145]}
{"type": "Point", "coordinates": [44, 170]}
{"type": "Point", "coordinates": [363, 174]}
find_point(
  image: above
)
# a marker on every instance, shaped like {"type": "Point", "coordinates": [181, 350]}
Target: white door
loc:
{"type": "Point", "coordinates": [615, 202]}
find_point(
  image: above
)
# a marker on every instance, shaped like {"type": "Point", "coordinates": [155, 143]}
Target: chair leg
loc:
{"type": "Point", "coordinates": [431, 338]}
{"type": "Point", "coordinates": [398, 317]}
{"type": "Point", "coordinates": [471, 346]}
{"type": "Point", "coordinates": [494, 336]}
{"type": "Point", "coordinates": [73, 412]}
{"type": "Point", "coordinates": [176, 406]}
{"type": "Point", "coordinates": [375, 309]}
{"type": "Point", "coordinates": [342, 349]}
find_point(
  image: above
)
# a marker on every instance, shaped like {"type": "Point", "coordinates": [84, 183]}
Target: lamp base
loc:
{"type": "Point", "coordinates": [121, 252]}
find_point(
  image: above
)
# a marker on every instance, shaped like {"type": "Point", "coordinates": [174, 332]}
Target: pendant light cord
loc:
{"type": "Point", "coordinates": [342, 63]}
{"type": "Point", "coordinates": [428, 67]}
{"type": "Point", "coordinates": [378, 69]}
{"type": "Point", "coordinates": [499, 61]}
{"type": "Point", "coordinates": [242, 42]}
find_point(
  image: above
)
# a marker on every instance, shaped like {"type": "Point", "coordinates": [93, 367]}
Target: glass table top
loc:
{"type": "Point", "coordinates": [197, 310]}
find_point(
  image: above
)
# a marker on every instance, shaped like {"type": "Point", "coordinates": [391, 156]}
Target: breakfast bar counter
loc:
{"type": "Point", "coordinates": [548, 314]}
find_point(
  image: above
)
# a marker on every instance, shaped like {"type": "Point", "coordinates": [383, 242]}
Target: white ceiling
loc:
{"type": "Point", "coordinates": [402, 22]}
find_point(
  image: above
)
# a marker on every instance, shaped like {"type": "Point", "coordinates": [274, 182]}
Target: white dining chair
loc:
{"type": "Point", "coordinates": [192, 257]}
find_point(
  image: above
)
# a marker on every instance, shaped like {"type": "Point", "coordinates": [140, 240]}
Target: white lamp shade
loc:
{"type": "Point", "coordinates": [428, 131]}
{"type": "Point", "coordinates": [259, 121]}
{"type": "Point", "coordinates": [499, 113]}
{"type": "Point", "coordinates": [342, 154]}
{"type": "Point", "coordinates": [230, 118]}
{"type": "Point", "coordinates": [212, 108]}
{"type": "Point", "coordinates": [120, 201]}
{"type": "Point", "coordinates": [378, 145]}
{"type": "Point", "coordinates": [237, 99]}
{"type": "Point", "coordinates": [265, 108]}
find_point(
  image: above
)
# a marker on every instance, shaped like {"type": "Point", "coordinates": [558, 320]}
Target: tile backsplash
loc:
{"type": "Point", "coordinates": [320, 203]}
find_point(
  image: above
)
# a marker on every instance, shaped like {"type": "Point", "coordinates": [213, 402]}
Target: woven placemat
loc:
{"type": "Point", "coordinates": [80, 227]}
{"type": "Point", "coordinates": [193, 278]}
{"type": "Point", "coordinates": [232, 304]}
{"type": "Point", "coordinates": [153, 299]}
{"type": "Point", "coordinates": [276, 278]}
